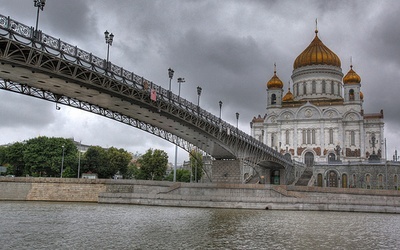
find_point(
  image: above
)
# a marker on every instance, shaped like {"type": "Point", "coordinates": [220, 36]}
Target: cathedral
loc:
{"type": "Point", "coordinates": [321, 122]}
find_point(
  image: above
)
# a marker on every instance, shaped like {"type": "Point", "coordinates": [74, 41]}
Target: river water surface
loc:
{"type": "Point", "coordinates": [45, 225]}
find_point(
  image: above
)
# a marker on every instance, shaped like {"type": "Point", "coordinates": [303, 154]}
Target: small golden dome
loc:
{"type": "Point", "coordinates": [275, 82]}
{"type": "Point", "coordinates": [288, 96]}
{"type": "Point", "coordinates": [351, 77]}
{"type": "Point", "coordinates": [316, 53]}
{"type": "Point", "coordinates": [361, 95]}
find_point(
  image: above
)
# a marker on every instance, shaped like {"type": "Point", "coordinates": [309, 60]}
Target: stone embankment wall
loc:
{"type": "Point", "coordinates": [211, 195]}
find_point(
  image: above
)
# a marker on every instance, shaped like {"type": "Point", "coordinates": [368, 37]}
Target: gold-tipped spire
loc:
{"type": "Point", "coordinates": [316, 54]}
{"type": "Point", "coordinates": [275, 82]}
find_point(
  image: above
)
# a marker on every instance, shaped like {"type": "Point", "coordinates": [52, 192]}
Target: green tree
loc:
{"type": "Point", "coordinates": [13, 157]}
{"type": "Point", "coordinates": [95, 160]}
{"type": "Point", "coordinates": [153, 165]}
{"type": "Point", "coordinates": [43, 156]}
{"type": "Point", "coordinates": [196, 162]}
{"type": "Point", "coordinates": [182, 175]}
{"type": "Point", "coordinates": [118, 160]}
{"type": "Point", "coordinates": [132, 171]}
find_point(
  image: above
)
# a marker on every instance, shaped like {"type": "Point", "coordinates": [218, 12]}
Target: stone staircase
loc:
{"type": "Point", "coordinates": [305, 177]}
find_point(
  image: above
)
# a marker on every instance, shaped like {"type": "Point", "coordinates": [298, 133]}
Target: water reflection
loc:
{"type": "Point", "coordinates": [42, 225]}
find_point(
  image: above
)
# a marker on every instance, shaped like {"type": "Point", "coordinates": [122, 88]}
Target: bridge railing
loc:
{"type": "Point", "coordinates": [37, 39]}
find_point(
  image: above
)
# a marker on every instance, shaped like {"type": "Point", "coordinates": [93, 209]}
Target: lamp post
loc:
{"type": "Point", "coordinates": [198, 98]}
{"type": "Point", "coordinates": [79, 158]}
{"type": "Point", "coordinates": [109, 40]}
{"type": "Point", "coordinates": [237, 121]}
{"type": "Point", "coordinates": [39, 4]}
{"type": "Point", "coordinates": [180, 81]}
{"type": "Point", "coordinates": [170, 75]}
{"type": "Point", "coordinates": [220, 110]}
{"type": "Point", "coordinates": [62, 160]}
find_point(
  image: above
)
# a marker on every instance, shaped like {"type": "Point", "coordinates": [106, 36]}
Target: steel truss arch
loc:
{"type": "Point", "coordinates": [45, 55]}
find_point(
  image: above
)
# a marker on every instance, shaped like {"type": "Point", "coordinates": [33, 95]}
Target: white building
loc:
{"type": "Point", "coordinates": [323, 119]}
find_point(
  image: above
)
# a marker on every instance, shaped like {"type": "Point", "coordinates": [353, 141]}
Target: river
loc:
{"type": "Point", "coordinates": [53, 225]}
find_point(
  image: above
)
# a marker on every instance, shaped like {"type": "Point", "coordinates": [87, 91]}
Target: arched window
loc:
{"type": "Point", "coordinates": [368, 181]}
{"type": "Point", "coordinates": [313, 136]}
{"type": "Point", "coordinates": [309, 159]}
{"type": "Point", "coordinates": [330, 136]}
{"type": "Point", "coordinates": [308, 136]}
{"type": "Point", "coordinates": [395, 180]}
{"type": "Point", "coordinates": [304, 88]}
{"type": "Point", "coordinates": [287, 133]}
{"type": "Point", "coordinates": [380, 181]}
{"type": "Point", "coordinates": [272, 140]}
{"type": "Point", "coordinates": [351, 95]}
{"type": "Point", "coordinates": [304, 136]}
{"type": "Point", "coordinates": [332, 88]}
{"type": "Point", "coordinates": [344, 180]}
{"type": "Point", "coordinates": [354, 181]}
{"type": "Point", "coordinates": [273, 99]}
{"type": "Point", "coordinates": [352, 138]}
{"type": "Point", "coordinates": [319, 180]}
{"type": "Point", "coordinates": [297, 89]}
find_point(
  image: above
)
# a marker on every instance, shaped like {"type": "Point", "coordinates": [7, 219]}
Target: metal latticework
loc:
{"type": "Point", "coordinates": [45, 67]}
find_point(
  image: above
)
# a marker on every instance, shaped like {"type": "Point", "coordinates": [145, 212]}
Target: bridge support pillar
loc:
{"type": "Point", "coordinates": [227, 171]}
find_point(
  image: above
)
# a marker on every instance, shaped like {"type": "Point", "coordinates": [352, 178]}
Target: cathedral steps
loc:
{"type": "Point", "coordinates": [305, 177]}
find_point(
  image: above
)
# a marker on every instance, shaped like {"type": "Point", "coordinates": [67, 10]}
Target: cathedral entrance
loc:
{"type": "Point", "coordinates": [309, 159]}
{"type": "Point", "coordinates": [332, 179]}
{"type": "Point", "coordinates": [331, 157]}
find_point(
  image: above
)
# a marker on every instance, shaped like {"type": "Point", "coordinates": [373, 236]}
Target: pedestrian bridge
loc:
{"type": "Point", "coordinates": [39, 65]}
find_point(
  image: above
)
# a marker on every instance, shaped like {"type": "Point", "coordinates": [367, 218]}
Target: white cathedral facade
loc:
{"type": "Point", "coordinates": [320, 120]}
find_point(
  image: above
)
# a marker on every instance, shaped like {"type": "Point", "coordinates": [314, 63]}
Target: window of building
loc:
{"type": "Point", "coordinates": [313, 136]}
{"type": "Point", "coordinates": [273, 99]}
{"type": "Point", "coordinates": [323, 87]}
{"type": "Point", "coordinates": [297, 89]}
{"type": "Point", "coordinates": [368, 181]}
{"type": "Point", "coordinates": [354, 181]}
{"type": "Point", "coordinates": [287, 134]}
{"type": "Point", "coordinates": [395, 180]}
{"type": "Point", "coordinates": [272, 139]}
{"type": "Point", "coordinates": [304, 88]}
{"type": "Point", "coordinates": [304, 136]}
{"type": "Point", "coordinates": [308, 136]}
{"type": "Point", "coordinates": [352, 138]}
{"type": "Point", "coordinates": [332, 88]}
{"type": "Point", "coordinates": [314, 87]}
{"type": "Point", "coordinates": [330, 136]}
{"type": "Point", "coordinates": [351, 95]}
{"type": "Point", "coordinates": [380, 181]}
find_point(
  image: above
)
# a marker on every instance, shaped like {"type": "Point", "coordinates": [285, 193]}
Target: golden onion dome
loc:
{"type": "Point", "coordinates": [288, 96]}
{"type": "Point", "coordinates": [275, 82]}
{"type": "Point", "coordinates": [351, 77]}
{"type": "Point", "coordinates": [316, 53]}
{"type": "Point", "coordinates": [361, 95]}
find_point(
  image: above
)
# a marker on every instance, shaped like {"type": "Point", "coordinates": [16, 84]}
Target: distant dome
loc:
{"type": "Point", "coordinates": [275, 82]}
{"type": "Point", "coordinates": [361, 95]}
{"type": "Point", "coordinates": [316, 53]}
{"type": "Point", "coordinates": [288, 96]}
{"type": "Point", "coordinates": [351, 77]}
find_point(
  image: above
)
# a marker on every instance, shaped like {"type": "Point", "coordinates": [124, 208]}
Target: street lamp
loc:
{"type": "Point", "coordinates": [180, 81]}
{"type": "Point", "coordinates": [198, 98]}
{"type": "Point", "coordinates": [237, 120]}
{"type": "Point", "coordinates": [62, 161]}
{"type": "Point", "coordinates": [220, 110]}
{"type": "Point", "coordinates": [170, 75]}
{"type": "Point", "coordinates": [39, 4]}
{"type": "Point", "coordinates": [109, 40]}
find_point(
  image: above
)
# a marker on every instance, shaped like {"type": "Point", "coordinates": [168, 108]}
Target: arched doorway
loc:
{"type": "Point", "coordinates": [275, 177]}
{"type": "Point", "coordinates": [309, 159]}
{"type": "Point", "coordinates": [319, 180]}
{"type": "Point", "coordinates": [344, 180]}
{"type": "Point", "coordinates": [332, 179]}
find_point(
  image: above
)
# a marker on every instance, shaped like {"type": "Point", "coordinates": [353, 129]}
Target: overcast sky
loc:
{"type": "Point", "coordinates": [226, 47]}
